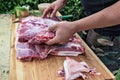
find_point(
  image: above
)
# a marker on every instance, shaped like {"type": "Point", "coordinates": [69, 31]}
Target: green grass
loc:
{"type": "Point", "coordinates": [118, 75]}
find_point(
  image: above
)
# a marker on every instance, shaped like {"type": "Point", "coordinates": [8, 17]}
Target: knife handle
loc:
{"type": "Point", "coordinates": [65, 16]}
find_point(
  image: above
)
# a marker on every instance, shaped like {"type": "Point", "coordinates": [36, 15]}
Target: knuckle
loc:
{"type": "Point", "coordinates": [62, 42]}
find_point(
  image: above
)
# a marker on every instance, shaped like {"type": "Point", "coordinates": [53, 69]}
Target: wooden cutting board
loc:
{"type": "Point", "coordinates": [46, 69]}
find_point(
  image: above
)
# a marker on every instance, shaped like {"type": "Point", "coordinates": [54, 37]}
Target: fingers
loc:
{"type": "Point", "coordinates": [50, 10]}
{"type": "Point", "coordinates": [54, 13]}
{"type": "Point", "coordinates": [56, 40]}
{"type": "Point", "coordinates": [52, 41]}
{"type": "Point", "coordinates": [46, 11]}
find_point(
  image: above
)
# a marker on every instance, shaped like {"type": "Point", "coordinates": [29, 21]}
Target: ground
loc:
{"type": "Point", "coordinates": [5, 24]}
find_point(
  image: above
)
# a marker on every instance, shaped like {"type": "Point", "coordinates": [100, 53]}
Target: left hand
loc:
{"type": "Point", "coordinates": [53, 8]}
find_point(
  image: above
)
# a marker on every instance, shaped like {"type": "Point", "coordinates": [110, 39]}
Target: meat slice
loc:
{"type": "Point", "coordinates": [73, 69]}
{"type": "Point", "coordinates": [73, 47]}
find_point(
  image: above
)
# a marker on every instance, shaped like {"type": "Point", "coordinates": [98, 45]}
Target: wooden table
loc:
{"type": "Point", "coordinates": [46, 69]}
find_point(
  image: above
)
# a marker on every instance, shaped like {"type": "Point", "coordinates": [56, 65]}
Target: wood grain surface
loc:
{"type": "Point", "coordinates": [46, 69]}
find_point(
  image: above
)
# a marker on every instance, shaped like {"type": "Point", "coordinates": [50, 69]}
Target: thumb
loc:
{"type": "Point", "coordinates": [52, 41]}
{"type": "Point", "coordinates": [53, 13]}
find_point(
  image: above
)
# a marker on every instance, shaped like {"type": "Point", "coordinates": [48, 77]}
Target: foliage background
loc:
{"type": "Point", "coordinates": [72, 7]}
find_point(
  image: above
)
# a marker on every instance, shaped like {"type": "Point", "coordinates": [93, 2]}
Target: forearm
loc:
{"type": "Point", "coordinates": [61, 0]}
{"type": "Point", "coordinates": [64, 1]}
{"type": "Point", "coordinates": [107, 17]}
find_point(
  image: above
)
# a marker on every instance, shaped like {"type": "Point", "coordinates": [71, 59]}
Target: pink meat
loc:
{"type": "Point", "coordinates": [73, 69]}
{"type": "Point", "coordinates": [34, 28]}
{"type": "Point", "coordinates": [27, 32]}
{"type": "Point", "coordinates": [24, 51]}
{"type": "Point", "coordinates": [27, 52]}
{"type": "Point", "coordinates": [42, 37]}
{"type": "Point", "coordinates": [42, 51]}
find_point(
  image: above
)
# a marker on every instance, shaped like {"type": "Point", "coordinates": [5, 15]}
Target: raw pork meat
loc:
{"type": "Point", "coordinates": [31, 34]}
{"type": "Point", "coordinates": [72, 48]}
{"type": "Point", "coordinates": [34, 28]}
{"type": "Point", "coordinates": [42, 37]}
{"type": "Point", "coordinates": [27, 52]}
{"type": "Point", "coordinates": [73, 69]}
{"type": "Point", "coordinates": [24, 51]}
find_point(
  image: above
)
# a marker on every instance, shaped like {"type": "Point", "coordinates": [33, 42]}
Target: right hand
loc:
{"type": "Point", "coordinates": [53, 8]}
{"type": "Point", "coordinates": [64, 31]}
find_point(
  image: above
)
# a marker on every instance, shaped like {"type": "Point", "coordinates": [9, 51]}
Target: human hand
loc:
{"type": "Point", "coordinates": [53, 8]}
{"type": "Point", "coordinates": [64, 30]}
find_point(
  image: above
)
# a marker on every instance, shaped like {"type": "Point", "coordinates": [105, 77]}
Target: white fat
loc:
{"type": "Point", "coordinates": [34, 30]}
{"type": "Point", "coordinates": [66, 68]}
{"type": "Point", "coordinates": [84, 64]}
{"type": "Point", "coordinates": [73, 44]}
{"type": "Point", "coordinates": [68, 53]}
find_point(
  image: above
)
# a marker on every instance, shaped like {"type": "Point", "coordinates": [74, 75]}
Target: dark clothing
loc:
{"type": "Point", "coordinates": [105, 42]}
{"type": "Point", "coordinates": [106, 48]}
{"type": "Point", "coordinates": [93, 6]}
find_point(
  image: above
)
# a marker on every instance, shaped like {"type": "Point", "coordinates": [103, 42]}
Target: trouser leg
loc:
{"type": "Point", "coordinates": [106, 48]}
